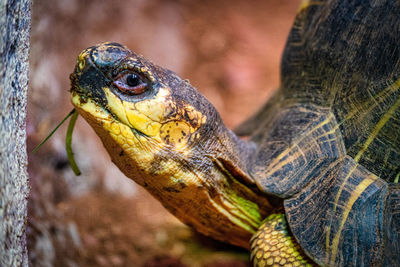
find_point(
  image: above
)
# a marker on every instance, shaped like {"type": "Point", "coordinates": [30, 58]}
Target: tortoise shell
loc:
{"type": "Point", "coordinates": [331, 146]}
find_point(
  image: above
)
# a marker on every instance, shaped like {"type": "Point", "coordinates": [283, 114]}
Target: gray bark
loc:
{"type": "Point", "coordinates": [15, 18]}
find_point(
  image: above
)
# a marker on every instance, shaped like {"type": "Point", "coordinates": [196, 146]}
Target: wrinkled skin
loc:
{"type": "Point", "coordinates": [168, 138]}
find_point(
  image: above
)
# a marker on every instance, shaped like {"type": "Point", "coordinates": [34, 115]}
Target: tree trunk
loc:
{"type": "Point", "coordinates": [15, 18]}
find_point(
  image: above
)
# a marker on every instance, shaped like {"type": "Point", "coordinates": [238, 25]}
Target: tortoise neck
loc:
{"type": "Point", "coordinates": [224, 145]}
{"type": "Point", "coordinates": [212, 191]}
{"type": "Point", "coordinates": [236, 154]}
{"type": "Point", "coordinates": [218, 198]}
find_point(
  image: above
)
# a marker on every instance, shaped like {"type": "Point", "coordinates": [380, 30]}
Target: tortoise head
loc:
{"type": "Point", "coordinates": [167, 137]}
{"type": "Point", "coordinates": [150, 106]}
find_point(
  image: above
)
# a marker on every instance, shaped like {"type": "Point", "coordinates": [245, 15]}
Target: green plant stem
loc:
{"type": "Point", "coordinates": [52, 132]}
{"type": "Point", "coordinates": [68, 140]}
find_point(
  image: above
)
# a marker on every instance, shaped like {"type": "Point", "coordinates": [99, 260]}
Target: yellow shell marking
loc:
{"type": "Point", "coordinates": [385, 118]}
{"type": "Point", "coordinates": [381, 123]}
{"type": "Point", "coordinates": [278, 161]}
{"type": "Point", "coordinates": [348, 206]}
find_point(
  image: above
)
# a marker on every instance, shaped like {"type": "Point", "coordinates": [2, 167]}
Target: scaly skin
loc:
{"type": "Point", "coordinates": [170, 139]}
{"type": "Point", "coordinates": [272, 245]}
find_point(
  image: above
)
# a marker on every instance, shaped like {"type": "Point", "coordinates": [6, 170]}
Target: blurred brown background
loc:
{"type": "Point", "coordinates": [229, 50]}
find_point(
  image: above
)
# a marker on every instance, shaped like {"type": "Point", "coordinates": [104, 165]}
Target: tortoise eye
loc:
{"type": "Point", "coordinates": [130, 83]}
{"type": "Point", "coordinates": [133, 80]}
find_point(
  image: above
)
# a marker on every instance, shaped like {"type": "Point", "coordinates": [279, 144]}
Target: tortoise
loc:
{"type": "Point", "coordinates": [315, 182]}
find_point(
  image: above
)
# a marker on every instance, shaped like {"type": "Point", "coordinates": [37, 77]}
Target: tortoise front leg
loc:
{"type": "Point", "coordinates": [273, 245]}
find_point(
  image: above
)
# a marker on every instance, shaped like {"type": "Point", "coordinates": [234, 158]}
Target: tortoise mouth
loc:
{"type": "Point", "coordinates": [87, 81]}
{"type": "Point", "coordinates": [83, 99]}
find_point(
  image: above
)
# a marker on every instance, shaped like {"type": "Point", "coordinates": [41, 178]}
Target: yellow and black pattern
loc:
{"type": "Point", "coordinates": [168, 138]}
{"type": "Point", "coordinates": [272, 245]}
{"type": "Point", "coordinates": [293, 152]}
{"type": "Point", "coordinates": [345, 56]}
{"type": "Point", "coordinates": [338, 217]}
{"type": "Point", "coordinates": [328, 147]}
{"type": "Point", "coordinates": [339, 176]}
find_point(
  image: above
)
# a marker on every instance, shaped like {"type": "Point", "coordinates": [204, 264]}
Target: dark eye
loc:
{"type": "Point", "coordinates": [133, 80]}
{"type": "Point", "coordinates": [130, 83]}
